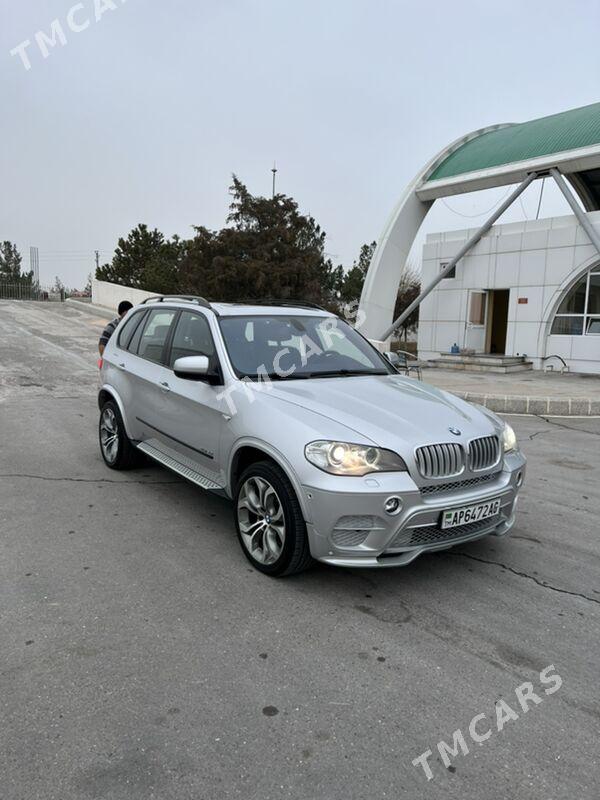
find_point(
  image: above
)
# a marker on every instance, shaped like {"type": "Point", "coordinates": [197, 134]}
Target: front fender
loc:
{"type": "Point", "coordinates": [280, 460]}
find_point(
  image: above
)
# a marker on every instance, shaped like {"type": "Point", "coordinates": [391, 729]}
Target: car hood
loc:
{"type": "Point", "coordinates": [388, 410]}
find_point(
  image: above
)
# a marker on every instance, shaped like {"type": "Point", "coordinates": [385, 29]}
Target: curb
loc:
{"type": "Point", "coordinates": [91, 308]}
{"type": "Point", "coordinates": [536, 406]}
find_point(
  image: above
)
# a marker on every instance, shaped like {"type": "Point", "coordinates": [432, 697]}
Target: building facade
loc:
{"type": "Point", "coordinates": [510, 281]}
{"type": "Point", "coordinates": [526, 289]}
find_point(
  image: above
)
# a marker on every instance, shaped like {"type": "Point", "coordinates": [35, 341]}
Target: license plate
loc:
{"type": "Point", "coordinates": [468, 514]}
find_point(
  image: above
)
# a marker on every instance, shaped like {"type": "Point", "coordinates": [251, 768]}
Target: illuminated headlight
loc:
{"type": "Point", "coordinates": [343, 458]}
{"type": "Point", "coordinates": [509, 440]}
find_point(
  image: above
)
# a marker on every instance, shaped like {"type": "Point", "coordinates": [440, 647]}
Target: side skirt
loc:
{"type": "Point", "coordinates": [186, 472]}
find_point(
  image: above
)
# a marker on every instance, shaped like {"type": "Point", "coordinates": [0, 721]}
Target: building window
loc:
{"type": "Point", "coordinates": [567, 326]}
{"type": "Point", "coordinates": [452, 273]}
{"type": "Point", "coordinates": [579, 312]}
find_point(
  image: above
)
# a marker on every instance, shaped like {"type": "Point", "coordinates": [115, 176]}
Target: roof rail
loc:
{"type": "Point", "coordinates": [189, 298]}
{"type": "Point", "coordinates": [290, 303]}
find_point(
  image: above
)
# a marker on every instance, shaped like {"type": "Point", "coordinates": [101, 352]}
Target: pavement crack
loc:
{"type": "Point", "coordinates": [83, 480]}
{"type": "Point", "coordinates": [520, 574]}
{"type": "Point", "coordinates": [537, 433]}
{"type": "Point", "coordinates": [568, 427]}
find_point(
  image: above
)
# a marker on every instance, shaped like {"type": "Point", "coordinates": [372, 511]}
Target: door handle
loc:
{"type": "Point", "coordinates": [164, 386]}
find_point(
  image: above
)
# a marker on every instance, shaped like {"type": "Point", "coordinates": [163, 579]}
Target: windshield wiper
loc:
{"type": "Point", "coordinates": [293, 376]}
{"type": "Point", "coordinates": [274, 376]}
{"type": "Point", "coordinates": [344, 373]}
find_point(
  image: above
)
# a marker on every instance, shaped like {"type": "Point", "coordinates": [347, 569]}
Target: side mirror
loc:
{"type": "Point", "coordinates": [192, 367]}
{"type": "Point", "coordinates": [393, 358]}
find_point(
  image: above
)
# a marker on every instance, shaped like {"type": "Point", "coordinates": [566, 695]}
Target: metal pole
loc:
{"type": "Point", "coordinates": [274, 171]}
{"type": "Point", "coordinates": [577, 210]}
{"type": "Point", "coordinates": [462, 252]}
{"type": "Point", "coordinates": [537, 213]}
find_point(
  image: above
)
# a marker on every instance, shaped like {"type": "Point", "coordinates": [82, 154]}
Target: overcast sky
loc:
{"type": "Point", "coordinates": [143, 115]}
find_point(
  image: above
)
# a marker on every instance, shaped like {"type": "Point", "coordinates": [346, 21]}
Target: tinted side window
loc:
{"type": "Point", "coordinates": [192, 337]}
{"type": "Point", "coordinates": [129, 330]}
{"type": "Point", "coordinates": [135, 339]}
{"type": "Point", "coordinates": [154, 335]}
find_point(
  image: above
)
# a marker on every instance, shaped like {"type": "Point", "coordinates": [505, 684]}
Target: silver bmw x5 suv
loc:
{"type": "Point", "coordinates": [326, 451]}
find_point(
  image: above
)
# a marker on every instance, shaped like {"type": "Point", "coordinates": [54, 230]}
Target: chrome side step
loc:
{"type": "Point", "coordinates": [185, 472]}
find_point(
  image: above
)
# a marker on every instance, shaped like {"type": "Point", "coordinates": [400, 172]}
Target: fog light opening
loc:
{"type": "Point", "coordinates": [519, 479]}
{"type": "Point", "coordinates": [393, 505]}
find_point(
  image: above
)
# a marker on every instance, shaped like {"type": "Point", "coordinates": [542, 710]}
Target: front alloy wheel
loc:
{"type": "Point", "coordinates": [269, 521]}
{"type": "Point", "coordinates": [261, 520]}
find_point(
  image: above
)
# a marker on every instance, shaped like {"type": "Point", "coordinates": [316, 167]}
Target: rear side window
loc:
{"type": "Point", "coordinates": [154, 335]}
{"type": "Point", "coordinates": [128, 330]}
{"type": "Point", "coordinates": [135, 339]}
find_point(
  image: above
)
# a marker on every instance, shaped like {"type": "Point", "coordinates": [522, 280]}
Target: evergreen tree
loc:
{"type": "Point", "coordinates": [10, 262]}
{"type": "Point", "coordinates": [142, 250]}
{"type": "Point", "coordinates": [354, 279]}
{"type": "Point", "coordinates": [267, 250]}
{"type": "Point", "coordinates": [162, 271]}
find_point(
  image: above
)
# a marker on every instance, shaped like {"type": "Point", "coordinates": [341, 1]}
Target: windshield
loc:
{"type": "Point", "coordinates": [290, 348]}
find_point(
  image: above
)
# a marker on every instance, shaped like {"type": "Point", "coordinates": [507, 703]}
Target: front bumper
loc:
{"type": "Point", "coordinates": [349, 526]}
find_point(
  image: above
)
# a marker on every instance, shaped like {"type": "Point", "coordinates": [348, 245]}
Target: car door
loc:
{"type": "Point", "coordinates": [148, 374]}
{"type": "Point", "coordinates": [193, 412]}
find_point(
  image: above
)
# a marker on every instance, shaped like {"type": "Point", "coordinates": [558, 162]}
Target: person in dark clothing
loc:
{"type": "Point", "coordinates": [124, 307]}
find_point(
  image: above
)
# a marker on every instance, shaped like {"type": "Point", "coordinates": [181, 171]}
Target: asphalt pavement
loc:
{"type": "Point", "coordinates": [142, 657]}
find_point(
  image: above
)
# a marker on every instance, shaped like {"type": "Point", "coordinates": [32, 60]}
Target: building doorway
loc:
{"type": "Point", "coordinates": [497, 321]}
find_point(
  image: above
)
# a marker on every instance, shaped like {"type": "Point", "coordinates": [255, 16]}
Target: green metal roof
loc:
{"type": "Point", "coordinates": [569, 130]}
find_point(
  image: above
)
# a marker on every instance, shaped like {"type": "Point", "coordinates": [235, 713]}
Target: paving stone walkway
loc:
{"type": "Point", "coordinates": [535, 392]}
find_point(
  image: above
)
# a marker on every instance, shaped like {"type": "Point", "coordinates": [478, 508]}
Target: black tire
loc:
{"type": "Point", "coordinates": [125, 455]}
{"type": "Point", "coordinates": [295, 553]}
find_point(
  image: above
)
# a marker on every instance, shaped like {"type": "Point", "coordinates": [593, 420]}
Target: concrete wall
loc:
{"type": "Point", "coordinates": [537, 260]}
{"type": "Point", "coordinates": [109, 295]}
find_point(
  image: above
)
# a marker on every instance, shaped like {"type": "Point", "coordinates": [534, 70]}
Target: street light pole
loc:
{"type": "Point", "coordinates": [274, 171]}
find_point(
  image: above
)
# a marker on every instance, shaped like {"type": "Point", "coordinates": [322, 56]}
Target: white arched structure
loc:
{"type": "Point", "coordinates": [497, 155]}
{"type": "Point", "coordinates": [379, 292]}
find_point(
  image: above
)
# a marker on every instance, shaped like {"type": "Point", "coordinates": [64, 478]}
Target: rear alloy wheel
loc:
{"type": "Point", "coordinates": [269, 521]}
{"type": "Point", "coordinates": [117, 450]}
